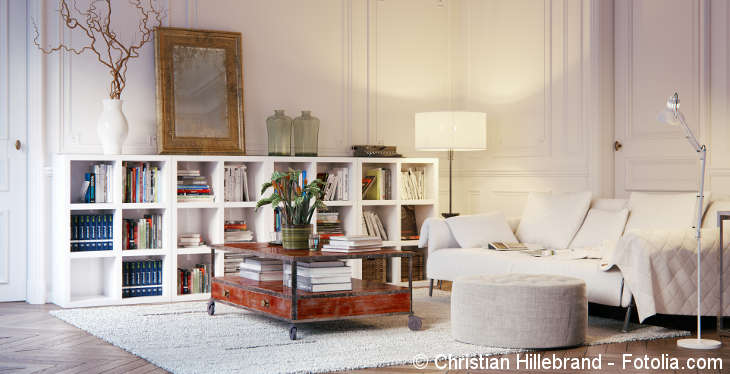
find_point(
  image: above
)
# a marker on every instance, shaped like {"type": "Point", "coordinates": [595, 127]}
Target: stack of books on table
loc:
{"type": "Point", "coordinates": [191, 186]}
{"type": "Point", "coordinates": [261, 269]}
{"type": "Point", "coordinates": [232, 262]}
{"type": "Point", "coordinates": [236, 232]}
{"type": "Point", "coordinates": [190, 240]}
{"type": "Point", "coordinates": [353, 243]}
{"type": "Point", "coordinates": [320, 276]}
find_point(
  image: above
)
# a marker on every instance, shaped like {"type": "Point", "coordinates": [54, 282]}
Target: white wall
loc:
{"type": "Point", "coordinates": [539, 70]}
{"type": "Point", "coordinates": [363, 67]}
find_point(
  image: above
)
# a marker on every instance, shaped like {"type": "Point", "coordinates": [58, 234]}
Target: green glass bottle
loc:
{"type": "Point", "coordinates": [279, 130]}
{"type": "Point", "coordinates": [306, 133]}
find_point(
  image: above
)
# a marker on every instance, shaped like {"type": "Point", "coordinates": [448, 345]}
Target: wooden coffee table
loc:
{"type": "Point", "coordinates": [273, 299]}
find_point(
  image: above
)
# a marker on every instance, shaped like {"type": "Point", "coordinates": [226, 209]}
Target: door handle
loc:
{"type": "Point", "coordinates": [617, 145]}
{"type": "Point", "coordinates": [18, 145]}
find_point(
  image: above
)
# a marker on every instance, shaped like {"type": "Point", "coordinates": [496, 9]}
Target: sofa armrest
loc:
{"type": "Point", "coordinates": [435, 234]}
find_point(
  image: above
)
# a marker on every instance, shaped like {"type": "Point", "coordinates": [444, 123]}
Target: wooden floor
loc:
{"type": "Point", "coordinates": [32, 341]}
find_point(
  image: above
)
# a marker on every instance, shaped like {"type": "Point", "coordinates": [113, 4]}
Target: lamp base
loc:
{"type": "Point", "coordinates": [448, 215]}
{"type": "Point", "coordinates": [695, 343]}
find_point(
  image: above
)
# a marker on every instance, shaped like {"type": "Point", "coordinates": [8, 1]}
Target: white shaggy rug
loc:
{"type": "Point", "coordinates": [183, 338]}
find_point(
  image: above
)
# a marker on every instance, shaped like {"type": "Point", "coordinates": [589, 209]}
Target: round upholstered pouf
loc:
{"type": "Point", "coordinates": [519, 310]}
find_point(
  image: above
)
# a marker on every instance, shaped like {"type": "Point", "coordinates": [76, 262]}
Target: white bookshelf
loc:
{"type": "Point", "coordinates": [95, 278]}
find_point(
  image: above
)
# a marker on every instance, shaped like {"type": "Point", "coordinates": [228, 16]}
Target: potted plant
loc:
{"type": "Point", "coordinates": [297, 205]}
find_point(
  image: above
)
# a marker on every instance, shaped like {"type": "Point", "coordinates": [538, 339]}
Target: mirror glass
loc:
{"type": "Point", "coordinates": [199, 78]}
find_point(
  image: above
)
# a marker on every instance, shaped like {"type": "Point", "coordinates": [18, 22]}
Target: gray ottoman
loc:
{"type": "Point", "coordinates": [519, 310]}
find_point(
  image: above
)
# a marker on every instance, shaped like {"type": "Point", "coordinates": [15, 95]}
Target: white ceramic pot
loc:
{"type": "Point", "coordinates": [112, 127]}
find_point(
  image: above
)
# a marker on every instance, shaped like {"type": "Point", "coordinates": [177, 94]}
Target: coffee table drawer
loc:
{"type": "Point", "coordinates": [266, 303]}
{"type": "Point", "coordinates": [226, 293]}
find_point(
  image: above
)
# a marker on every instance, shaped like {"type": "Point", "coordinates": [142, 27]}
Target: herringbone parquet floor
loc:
{"type": "Point", "coordinates": [32, 341]}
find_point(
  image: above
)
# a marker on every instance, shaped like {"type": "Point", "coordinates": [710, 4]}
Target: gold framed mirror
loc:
{"type": "Point", "coordinates": [199, 91]}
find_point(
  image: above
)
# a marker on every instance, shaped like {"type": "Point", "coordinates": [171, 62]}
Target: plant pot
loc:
{"type": "Point", "coordinates": [112, 127]}
{"type": "Point", "coordinates": [295, 236]}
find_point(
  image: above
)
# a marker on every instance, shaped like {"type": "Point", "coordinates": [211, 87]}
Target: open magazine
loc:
{"type": "Point", "coordinates": [527, 248]}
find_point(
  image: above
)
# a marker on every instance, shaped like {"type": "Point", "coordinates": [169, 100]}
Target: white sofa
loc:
{"type": "Point", "coordinates": [447, 260]}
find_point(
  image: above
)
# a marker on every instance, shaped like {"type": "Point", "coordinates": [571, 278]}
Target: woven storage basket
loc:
{"type": "Point", "coordinates": [374, 269]}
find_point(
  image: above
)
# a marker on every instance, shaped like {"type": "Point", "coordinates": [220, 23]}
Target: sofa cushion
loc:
{"type": "Point", "coordinates": [600, 225]}
{"type": "Point", "coordinates": [710, 219]}
{"type": "Point", "coordinates": [476, 231]}
{"type": "Point", "coordinates": [665, 211]}
{"type": "Point", "coordinates": [553, 220]}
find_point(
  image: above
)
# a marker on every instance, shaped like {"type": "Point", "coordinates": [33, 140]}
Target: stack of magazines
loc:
{"type": "Point", "coordinates": [191, 186]}
{"type": "Point", "coordinates": [353, 243]}
{"type": "Point", "coordinates": [320, 276]}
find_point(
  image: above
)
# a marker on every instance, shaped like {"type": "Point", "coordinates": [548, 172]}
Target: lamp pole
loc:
{"type": "Point", "coordinates": [451, 160]}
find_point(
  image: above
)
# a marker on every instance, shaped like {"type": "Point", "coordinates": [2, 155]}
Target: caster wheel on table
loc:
{"type": "Point", "coordinates": [293, 333]}
{"type": "Point", "coordinates": [211, 307]}
{"type": "Point", "coordinates": [414, 323]}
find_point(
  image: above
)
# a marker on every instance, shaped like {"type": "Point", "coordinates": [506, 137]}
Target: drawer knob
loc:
{"type": "Point", "coordinates": [265, 303]}
{"type": "Point", "coordinates": [226, 293]}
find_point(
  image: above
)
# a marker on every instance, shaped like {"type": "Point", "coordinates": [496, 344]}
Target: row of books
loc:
{"type": "Point", "coordinates": [337, 186]}
{"type": "Point", "coordinates": [141, 273]}
{"type": "Point", "coordinates": [141, 291]}
{"type": "Point", "coordinates": [372, 225]}
{"type": "Point", "coordinates": [413, 184]}
{"type": "Point", "coordinates": [141, 182]}
{"type": "Point", "coordinates": [92, 232]}
{"type": "Point", "coordinates": [320, 276]}
{"type": "Point", "coordinates": [97, 184]}
{"type": "Point", "coordinates": [236, 231]}
{"type": "Point", "coordinates": [235, 183]}
{"type": "Point", "coordinates": [142, 233]}
{"type": "Point", "coordinates": [376, 184]}
{"type": "Point", "coordinates": [191, 186]}
{"type": "Point", "coordinates": [353, 243]}
{"type": "Point", "coordinates": [195, 280]}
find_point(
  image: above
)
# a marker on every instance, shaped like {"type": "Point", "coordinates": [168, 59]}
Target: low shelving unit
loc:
{"type": "Point", "coordinates": [92, 278]}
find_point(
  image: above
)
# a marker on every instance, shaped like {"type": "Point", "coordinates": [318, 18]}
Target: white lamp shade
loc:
{"type": "Point", "coordinates": [458, 131]}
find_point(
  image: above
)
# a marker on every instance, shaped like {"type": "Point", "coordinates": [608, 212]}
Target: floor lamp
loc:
{"type": "Point", "coordinates": [672, 116]}
{"type": "Point", "coordinates": [451, 131]}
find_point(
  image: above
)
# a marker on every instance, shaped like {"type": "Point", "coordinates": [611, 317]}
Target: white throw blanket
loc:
{"type": "Point", "coordinates": [659, 267]}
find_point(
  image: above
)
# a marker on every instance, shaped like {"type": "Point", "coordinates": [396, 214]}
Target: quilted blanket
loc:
{"type": "Point", "coordinates": [660, 269]}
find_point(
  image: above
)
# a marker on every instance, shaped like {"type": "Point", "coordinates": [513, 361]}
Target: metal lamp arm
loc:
{"type": "Point", "coordinates": [687, 132]}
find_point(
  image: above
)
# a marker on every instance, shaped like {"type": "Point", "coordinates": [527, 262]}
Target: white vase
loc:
{"type": "Point", "coordinates": [112, 127]}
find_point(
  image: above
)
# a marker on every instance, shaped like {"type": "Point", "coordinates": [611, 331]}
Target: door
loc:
{"type": "Point", "coordinates": [13, 162]}
{"type": "Point", "coordinates": [652, 61]}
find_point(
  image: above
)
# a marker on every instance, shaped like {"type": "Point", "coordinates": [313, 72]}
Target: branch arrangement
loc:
{"type": "Point", "coordinates": [103, 42]}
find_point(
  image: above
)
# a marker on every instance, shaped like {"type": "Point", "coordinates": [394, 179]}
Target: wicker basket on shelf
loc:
{"type": "Point", "coordinates": [419, 264]}
{"type": "Point", "coordinates": [374, 269]}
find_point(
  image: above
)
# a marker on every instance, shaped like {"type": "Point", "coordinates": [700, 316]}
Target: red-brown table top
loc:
{"type": "Point", "coordinates": [266, 250]}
